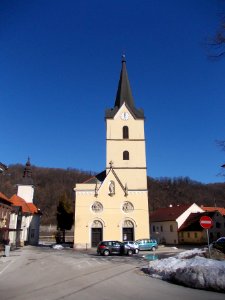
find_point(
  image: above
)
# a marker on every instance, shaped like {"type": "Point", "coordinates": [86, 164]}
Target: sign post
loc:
{"type": "Point", "coordinates": [206, 223]}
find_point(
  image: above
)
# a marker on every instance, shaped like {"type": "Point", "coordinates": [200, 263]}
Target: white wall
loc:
{"type": "Point", "coordinates": [26, 192]}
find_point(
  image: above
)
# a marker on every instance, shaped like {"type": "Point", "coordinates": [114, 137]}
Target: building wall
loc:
{"type": "Point", "coordinates": [112, 217]}
{"type": "Point", "coordinates": [165, 232]}
{"type": "Point", "coordinates": [34, 228]}
{"type": "Point", "coordinates": [13, 226]}
{"type": "Point", "coordinates": [218, 229]}
{"type": "Point", "coordinates": [193, 237]}
{"type": "Point", "coordinates": [26, 192]}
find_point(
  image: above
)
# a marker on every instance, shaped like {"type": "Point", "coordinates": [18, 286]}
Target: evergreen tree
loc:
{"type": "Point", "coordinates": [64, 215]}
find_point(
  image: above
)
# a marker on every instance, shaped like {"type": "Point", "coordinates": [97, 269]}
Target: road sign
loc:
{"type": "Point", "coordinates": [206, 222]}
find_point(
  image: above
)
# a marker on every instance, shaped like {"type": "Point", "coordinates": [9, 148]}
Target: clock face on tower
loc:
{"type": "Point", "coordinates": [125, 116]}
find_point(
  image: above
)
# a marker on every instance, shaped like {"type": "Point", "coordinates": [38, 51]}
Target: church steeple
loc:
{"type": "Point", "coordinates": [26, 187]}
{"type": "Point", "coordinates": [124, 95]}
{"type": "Point", "coordinates": [27, 173]}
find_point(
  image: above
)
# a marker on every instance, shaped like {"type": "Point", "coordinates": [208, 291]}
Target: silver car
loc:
{"type": "Point", "coordinates": [132, 245]}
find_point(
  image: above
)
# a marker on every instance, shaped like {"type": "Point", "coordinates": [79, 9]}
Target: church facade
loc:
{"type": "Point", "coordinates": [113, 205]}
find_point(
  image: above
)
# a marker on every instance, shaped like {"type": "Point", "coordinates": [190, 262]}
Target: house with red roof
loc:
{"type": "Point", "coordinates": [24, 225]}
{"type": "Point", "coordinates": [165, 222]}
{"type": "Point", "coordinates": [24, 222]}
{"type": "Point", "coordinates": [19, 216]}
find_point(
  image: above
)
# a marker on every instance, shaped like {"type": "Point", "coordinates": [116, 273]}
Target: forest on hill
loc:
{"type": "Point", "coordinates": [52, 183]}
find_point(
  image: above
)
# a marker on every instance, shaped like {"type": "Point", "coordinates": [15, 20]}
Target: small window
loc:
{"type": "Point", "coordinates": [196, 235]}
{"type": "Point", "coordinates": [171, 228]}
{"type": "Point", "coordinates": [125, 132]}
{"type": "Point", "coordinates": [153, 228]}
{"type": "Point", "coordinates": [125, 155]}
{"type": "Point", "coordinates": [188, 234]}
{"type": "Point", "coordinates": [161, 228]}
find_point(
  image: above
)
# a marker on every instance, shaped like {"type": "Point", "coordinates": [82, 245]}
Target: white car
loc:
{"type": "Point", "coordinates": [132, 245]}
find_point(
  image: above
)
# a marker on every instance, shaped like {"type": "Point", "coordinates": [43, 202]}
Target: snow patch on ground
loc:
{"type": "Point", "coordinates": [57, 247]}
{"type": "Point", "coordinates": [191, 268]}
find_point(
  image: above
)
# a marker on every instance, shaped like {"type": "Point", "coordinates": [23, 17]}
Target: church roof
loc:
{"type": "Point", "coordinates": [97, 178]}
{"type": "Point", "coordinates": [124, 95]}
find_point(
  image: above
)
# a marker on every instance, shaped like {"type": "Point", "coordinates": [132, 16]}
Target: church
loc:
{"type": "Point", "coordinates": [113, 205]}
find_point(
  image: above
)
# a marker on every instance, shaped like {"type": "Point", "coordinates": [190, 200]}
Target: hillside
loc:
{"type": "Point", "coordinates": [51, 183]}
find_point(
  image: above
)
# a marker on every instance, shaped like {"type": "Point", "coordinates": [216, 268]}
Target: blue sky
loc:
{"type": "Point", "coordinates": [59, 70]}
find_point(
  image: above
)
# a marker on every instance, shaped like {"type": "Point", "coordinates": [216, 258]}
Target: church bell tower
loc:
{"type": "Point", "coordinates": [125, 138]}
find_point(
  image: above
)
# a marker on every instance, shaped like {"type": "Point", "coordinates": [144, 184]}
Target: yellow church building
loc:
{"type": "Point", "coordinates": [113, 205]}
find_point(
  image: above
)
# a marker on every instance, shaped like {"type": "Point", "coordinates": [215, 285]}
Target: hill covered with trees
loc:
{"type": "Point", "coordinates": [52, 183]}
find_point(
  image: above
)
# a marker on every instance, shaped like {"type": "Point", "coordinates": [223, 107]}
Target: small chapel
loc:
{"type": "Point", "coordinates": [113, 205]}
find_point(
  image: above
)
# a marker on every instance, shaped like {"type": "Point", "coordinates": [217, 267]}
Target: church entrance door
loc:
{"type": "Point", "coordinates": [96, 233]}
{"type": "Point", "coordinates": [128, 231]}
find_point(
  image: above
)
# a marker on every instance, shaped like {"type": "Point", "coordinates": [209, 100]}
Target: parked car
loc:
{"type": "Point", "coordinates": [114, 247]}
{"type": "Point", "coordinates": [132, 245]}
{"type": "Point", "coordinates": [219, 244]}
{"type": "Point", "coordinates": [147, 244]}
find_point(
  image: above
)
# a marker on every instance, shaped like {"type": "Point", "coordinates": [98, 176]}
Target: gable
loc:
{"type": "Point", "coordinates": [112, 185]}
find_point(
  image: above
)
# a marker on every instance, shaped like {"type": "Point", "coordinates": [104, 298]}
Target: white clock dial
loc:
{"type": "Point", "coordinates": [124, 116]}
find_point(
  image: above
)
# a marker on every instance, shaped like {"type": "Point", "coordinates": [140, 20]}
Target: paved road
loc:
{"type": "Point", "coordinates": [47, 274]}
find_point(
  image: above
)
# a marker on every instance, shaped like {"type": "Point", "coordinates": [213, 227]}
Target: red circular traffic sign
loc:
{"type": "Point", "coordinates": [206, 222]}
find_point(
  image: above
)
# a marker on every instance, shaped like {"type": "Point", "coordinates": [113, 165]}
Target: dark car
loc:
{"type": "Point", "coordinates": [114, 247]}
{"type": "Point", "coordinates": [219, 244]}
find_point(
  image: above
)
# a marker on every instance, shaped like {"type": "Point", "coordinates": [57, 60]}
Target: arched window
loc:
{"type": "Point", "coordinates": [125, 155]}
{"type": "Point", "coordinates": [125, 132]}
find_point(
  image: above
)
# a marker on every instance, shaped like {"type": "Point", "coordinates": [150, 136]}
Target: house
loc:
{"type": "Point", "coordinates": [218, 228]}
{"type": "Point", "coordinates": [24, 222]}
{"type": "Point", "coordinates": [5, 212]}
{"type": "Point", "coordinates": [165, 222]}
{"type": "Point", "coordinates": [114, 203]}
{"type": "Point", "coordinates": [191, 232]}
{"type": "Point", "coordinates": [20, 215]}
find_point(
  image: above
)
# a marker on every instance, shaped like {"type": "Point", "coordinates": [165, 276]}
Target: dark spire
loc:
{"type": "Point", "coordinates": [124, 95]}
{"type": "Point", "coordinates": [27, 173]}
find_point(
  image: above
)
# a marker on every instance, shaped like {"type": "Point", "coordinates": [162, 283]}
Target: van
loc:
{"type": "Point", "coordinates": [147, 244]}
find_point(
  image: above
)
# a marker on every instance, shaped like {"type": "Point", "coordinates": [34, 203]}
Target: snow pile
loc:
{"type": "Point", "coordinates": [57, 247]}
{"type": "Point", "coordinates": [192, 269]}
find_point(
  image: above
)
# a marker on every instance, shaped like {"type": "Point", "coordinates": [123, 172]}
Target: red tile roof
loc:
{"type": "Point", "coordinates": [213, 209]}
{"type": "Point", "coordinates": [2, 196]}
{"type": "Point", "coordinates": [33, 208]}
{"type": "Point", "coordinates": [192, 223]}
{"type": "Point", "coordinates": [168, 213]}
{"type": "Point", "coordinates": [26, 207]}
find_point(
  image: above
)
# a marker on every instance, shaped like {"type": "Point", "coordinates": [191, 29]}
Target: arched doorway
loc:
{"type": "Point", "coordinates": [96, 233]}
{"type": "Point", "coordinates": [128, 230]}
